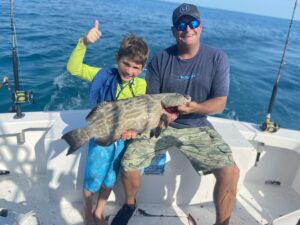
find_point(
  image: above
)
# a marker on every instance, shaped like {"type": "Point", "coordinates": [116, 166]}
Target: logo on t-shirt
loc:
{"type": "Point", "coordinates": [187, 77]}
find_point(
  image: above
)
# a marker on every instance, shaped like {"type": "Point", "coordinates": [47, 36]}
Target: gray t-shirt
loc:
{"type": "Point", "coordinates": [203, 77]}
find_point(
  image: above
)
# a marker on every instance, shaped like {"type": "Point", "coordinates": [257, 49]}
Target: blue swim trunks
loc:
{"type": "Point", "coordinates": [102, 165]}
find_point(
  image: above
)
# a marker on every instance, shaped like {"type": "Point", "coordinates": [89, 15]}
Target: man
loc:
{"type": "Point", "coordinates": [187, 67]}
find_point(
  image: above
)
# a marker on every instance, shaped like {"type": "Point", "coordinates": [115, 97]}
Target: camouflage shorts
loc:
{"type": "Point", "coordinates": [203, 146]}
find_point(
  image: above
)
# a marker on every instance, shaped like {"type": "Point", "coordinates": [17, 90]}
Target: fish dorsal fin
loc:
{"type": "Point", "coordinates": [90, 117]}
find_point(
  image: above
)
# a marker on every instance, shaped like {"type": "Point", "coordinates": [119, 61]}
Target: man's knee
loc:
{"type": "Point", "coordinates": [131, 175]}
{"type": "Point", "coordinates": [235, 172]}
{"type": "Point", "coordinates": [229, 176]}
{"type": "Point", "coordinates": [228, 173]}
{"type": "Point", "coordinates": [131, 181]}
{"type": "Point", "coordinates": [233, 175]}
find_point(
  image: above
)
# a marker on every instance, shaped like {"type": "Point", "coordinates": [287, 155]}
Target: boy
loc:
{"type": "Point", "coordinates": [108, 84]}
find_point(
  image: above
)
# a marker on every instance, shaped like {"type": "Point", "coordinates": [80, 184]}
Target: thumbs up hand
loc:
{"type": "Point", "coordinates": [93, 35]}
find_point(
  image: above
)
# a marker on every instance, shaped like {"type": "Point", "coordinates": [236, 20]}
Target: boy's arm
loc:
{"type": "Point", "coordinates": [75, 64]}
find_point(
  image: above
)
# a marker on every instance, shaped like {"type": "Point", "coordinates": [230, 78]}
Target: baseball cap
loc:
{"type": "Point", "coordinates": [185, 9]}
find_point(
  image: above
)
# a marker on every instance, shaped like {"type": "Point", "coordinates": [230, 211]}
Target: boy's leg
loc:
{"type": "Point", "coordinates": [101, 203]}
{"type": "Point", "coordinates": [88, 208]}
{"type": "Point", "coordinates": [97, 165]}
{"type": "Point", "coordinates": [109, 182]}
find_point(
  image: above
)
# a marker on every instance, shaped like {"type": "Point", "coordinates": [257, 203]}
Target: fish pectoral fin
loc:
{"type": "Point", "coordinates": [155, 132]}
{"type": "Point", "coordinates": [152, 133]}
{"type": "Point", "coordinates": [163, 123]}
{"type": "Point", "coordinates": [164, 120]}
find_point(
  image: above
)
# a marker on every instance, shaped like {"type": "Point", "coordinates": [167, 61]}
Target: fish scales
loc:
{"type": "Point", "coordinates": [107, 121]}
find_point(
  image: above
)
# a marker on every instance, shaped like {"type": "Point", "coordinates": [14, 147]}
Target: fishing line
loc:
{"type": "Point", "coordinates": [269, 126]}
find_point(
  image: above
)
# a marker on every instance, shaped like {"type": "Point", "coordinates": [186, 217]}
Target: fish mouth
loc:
{"type": "Point", "coordinates": [172, 110]}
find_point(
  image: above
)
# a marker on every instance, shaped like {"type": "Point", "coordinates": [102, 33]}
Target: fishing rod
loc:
{"type": "Point", "coordinates": [269, 126]}
{"type": "Point", "coordinates": [18, 96]}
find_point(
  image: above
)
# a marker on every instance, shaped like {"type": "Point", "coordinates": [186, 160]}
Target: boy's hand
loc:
{"type": "Point", "coordinates": [129, 134]}
{"type": "Point", "coordinates": [93, 35]}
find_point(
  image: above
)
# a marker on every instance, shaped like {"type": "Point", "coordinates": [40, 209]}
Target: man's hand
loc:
{"type": "Point", "coordinates": [93, 35]}
{"type": "Point", "coordinates": [189, 107]}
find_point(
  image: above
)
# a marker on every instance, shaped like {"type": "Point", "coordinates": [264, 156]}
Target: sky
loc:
{"type": "Point", "coordinates": [273, 8]}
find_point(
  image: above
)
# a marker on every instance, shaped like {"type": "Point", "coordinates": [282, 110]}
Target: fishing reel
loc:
{"type": "Point", "coordinates": [270, 127]}
{"type": "Point", "coordinates": [20, 97]}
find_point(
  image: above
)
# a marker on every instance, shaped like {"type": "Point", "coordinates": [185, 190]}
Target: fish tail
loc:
{"type": "Point", "coordinates": [76, 138]}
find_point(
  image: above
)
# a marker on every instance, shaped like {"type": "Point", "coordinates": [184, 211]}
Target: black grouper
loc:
{"type": "Point", "coordinates": [108, 120]}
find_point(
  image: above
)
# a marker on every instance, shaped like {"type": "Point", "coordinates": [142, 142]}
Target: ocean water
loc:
{"type": "Point", "coordinates": [47, 32]}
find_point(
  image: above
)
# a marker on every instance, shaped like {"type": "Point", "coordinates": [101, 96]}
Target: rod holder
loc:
{"type": "Point", "coordinates": [21, 138]}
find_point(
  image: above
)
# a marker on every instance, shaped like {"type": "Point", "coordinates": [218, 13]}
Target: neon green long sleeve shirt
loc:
{"type": "Point", "coordinates": [77, 68]}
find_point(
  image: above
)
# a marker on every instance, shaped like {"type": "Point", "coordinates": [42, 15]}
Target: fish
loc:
{"type": "Point", "coordinates": [108, 120]}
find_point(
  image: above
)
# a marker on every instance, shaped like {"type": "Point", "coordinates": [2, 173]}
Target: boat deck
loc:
{"type": "Point", "coordinates": [256, 204]}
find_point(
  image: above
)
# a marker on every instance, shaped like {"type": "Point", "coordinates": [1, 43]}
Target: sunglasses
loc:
{"type": "Point", "coordinates": [181, 25]}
